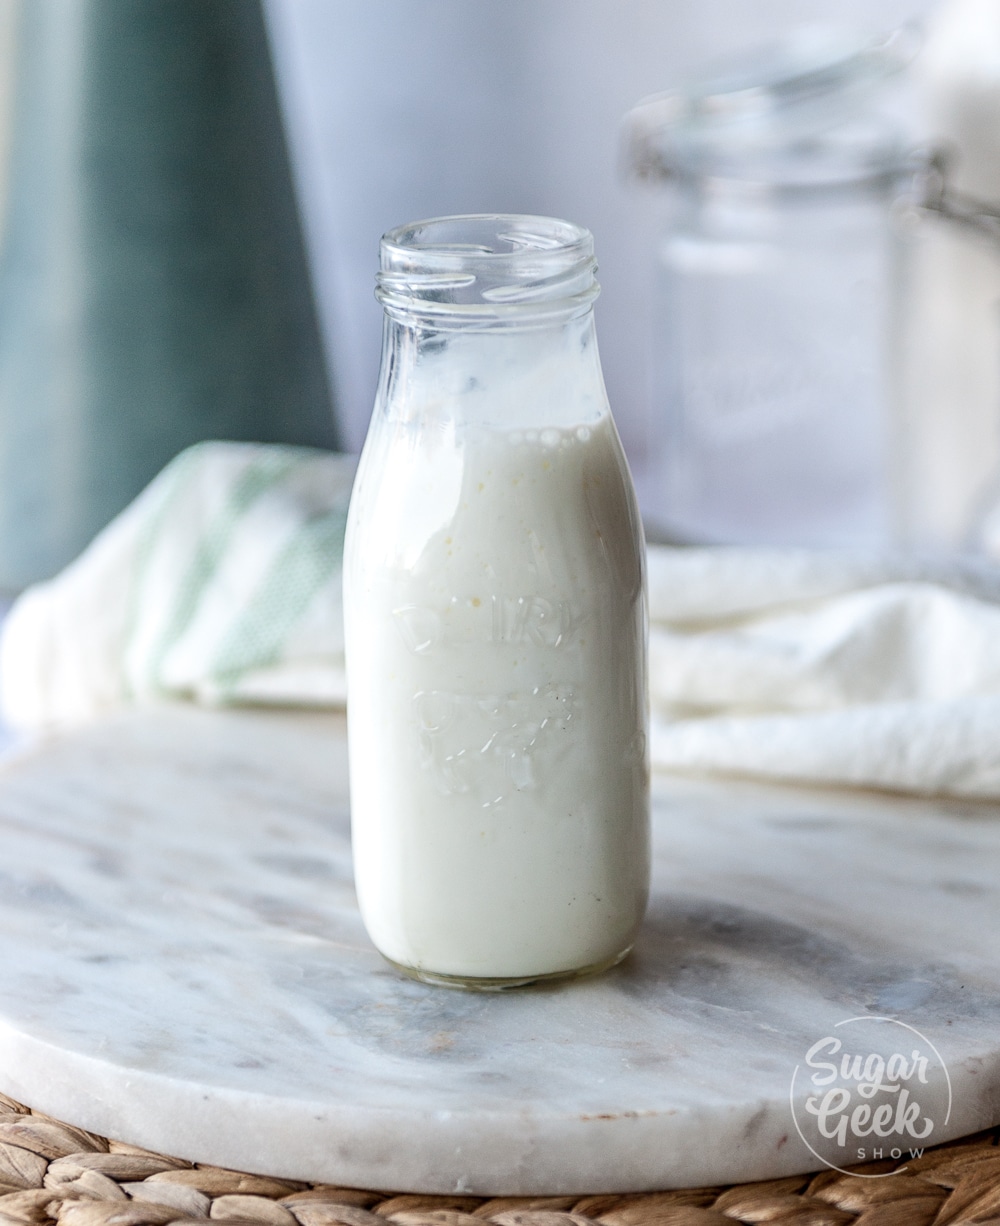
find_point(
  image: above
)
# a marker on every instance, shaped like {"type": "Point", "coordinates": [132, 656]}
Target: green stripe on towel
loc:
{"type": "Point", "coordinates": [175, 480]}
{"type": "Point", "coordinates": [257, 637]}
{"type": "Point", "coordinates": [264, 471]}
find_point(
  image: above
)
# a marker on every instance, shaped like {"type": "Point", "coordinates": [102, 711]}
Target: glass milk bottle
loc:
{"type": "Point", "coordinates": [495, 618]}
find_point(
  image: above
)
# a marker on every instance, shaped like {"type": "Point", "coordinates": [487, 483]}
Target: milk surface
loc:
{"type": "Point", "coordinates": [495, 624]}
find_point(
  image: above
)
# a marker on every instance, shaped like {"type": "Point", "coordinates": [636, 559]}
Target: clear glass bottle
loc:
{"type": "Point", "coordinates": [495, 618]}
{"type": "Point", "coordinates": [773, 284]}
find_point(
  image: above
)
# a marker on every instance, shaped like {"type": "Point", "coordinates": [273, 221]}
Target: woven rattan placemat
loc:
{"type": "Point", "coordinates": [51, 1171]}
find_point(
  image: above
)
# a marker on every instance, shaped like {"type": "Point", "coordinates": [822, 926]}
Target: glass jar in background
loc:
{"type": "Point", "coordinates": [773, 298]}
{"type": "Point", "coordinates": [495, 618]}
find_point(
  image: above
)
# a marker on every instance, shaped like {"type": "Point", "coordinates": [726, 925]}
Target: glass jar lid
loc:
{"type": "Point", "coordinates": [800, 112]}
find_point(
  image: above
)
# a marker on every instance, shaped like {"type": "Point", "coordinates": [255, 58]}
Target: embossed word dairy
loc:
{"type": "Point", "coordinates": [874, 1088]}
{"type": "Point", "coordinates": [530, 619]}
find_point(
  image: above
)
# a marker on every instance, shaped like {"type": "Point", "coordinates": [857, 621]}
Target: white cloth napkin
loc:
{"type": "Point", "coordinates": [827, 668]}
{"type": "Point", "coordinates": [221, 583]}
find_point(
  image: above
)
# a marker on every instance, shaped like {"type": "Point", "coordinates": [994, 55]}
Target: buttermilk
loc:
{"type": "Point", "coordinates": [494, 613]}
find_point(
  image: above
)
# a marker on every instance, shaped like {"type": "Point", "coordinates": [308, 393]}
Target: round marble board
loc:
{"type": "Point", "coordinates": [182, 966]}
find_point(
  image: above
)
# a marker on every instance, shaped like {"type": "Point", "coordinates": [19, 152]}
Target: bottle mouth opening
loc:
{"type": "Point", "coordinates": [491, 267]}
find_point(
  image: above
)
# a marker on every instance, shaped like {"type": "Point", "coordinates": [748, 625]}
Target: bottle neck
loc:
{"type": "Point", "coordinates": [545, 375]}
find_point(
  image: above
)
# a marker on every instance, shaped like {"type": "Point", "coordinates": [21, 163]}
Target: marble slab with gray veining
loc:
{"type": "Point", "coordinates": [182, 966]}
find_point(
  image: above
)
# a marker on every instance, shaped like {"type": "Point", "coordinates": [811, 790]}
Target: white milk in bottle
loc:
{"type": "Point", "coordinates": [495, 618]}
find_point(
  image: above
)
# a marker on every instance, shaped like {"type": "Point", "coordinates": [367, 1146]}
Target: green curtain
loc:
{"type": "Point", "coordinates": [154, 289]}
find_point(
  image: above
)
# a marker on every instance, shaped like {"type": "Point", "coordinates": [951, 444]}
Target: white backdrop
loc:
{"type": "Point", "coordinates": [401, 109]}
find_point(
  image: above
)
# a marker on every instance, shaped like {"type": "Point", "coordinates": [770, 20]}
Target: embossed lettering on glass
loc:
{"type": "Point", "coordinates": [495, 618]}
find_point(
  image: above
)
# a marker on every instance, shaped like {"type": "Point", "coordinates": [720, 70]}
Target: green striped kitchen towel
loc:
{"type": "Point", "coordinates": [221, 583]}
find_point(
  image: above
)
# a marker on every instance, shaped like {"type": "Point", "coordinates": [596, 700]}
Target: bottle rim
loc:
{"type": "Point", "coordinates": [487, 268]}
